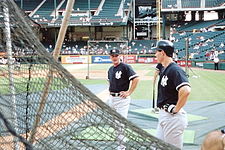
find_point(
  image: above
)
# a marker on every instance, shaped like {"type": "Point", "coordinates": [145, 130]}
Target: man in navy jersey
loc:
{"type": "Point", "coordinates": [158, 70]}
{"type": "Point", "coordinates": [120, 75]}
{"type": "Point", "coordinates": [173, 92]}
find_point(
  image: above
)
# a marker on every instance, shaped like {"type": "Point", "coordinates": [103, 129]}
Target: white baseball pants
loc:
{"type": "Point", "coordinates": [121, 105]}
{"type": "Point", "coordinates": [171, 127]}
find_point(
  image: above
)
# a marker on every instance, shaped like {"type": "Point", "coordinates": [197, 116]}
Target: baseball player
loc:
{"type": "Point", "coordinates": [173, 92]}
{"type": "Point", "coordinates": [120, 76]}
{"type": "Point", "coordinates": [158, 70]}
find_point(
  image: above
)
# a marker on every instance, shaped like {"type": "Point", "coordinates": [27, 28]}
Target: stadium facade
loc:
{"type": "Point", "coordinates": [134, 21]}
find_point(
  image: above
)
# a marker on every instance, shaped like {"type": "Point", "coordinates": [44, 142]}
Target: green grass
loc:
{"type": "Point", "coordinates": [35, 85]}
{"type": "Point", "coordinates": [90, 82]}
{"type": "Point", "coordinates": [208, 87]}
{"type": "Point", "coordinates": [143, 91]}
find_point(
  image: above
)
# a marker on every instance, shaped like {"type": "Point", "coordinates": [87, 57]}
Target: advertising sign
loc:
{"type": "Point", "coordinates": [101, 59]}
{"type": "Point", "coordinates": [129, 58]}
{"type": "Point", "coordinates": [182, 63]}
{"type": "Point", "coordinates": [70, 59]}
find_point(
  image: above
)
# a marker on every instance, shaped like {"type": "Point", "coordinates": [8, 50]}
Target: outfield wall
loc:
{"type": "Point", "coordinates": [211, 65]}
{"type": "Point", "coordinates": [104, 59]}
{"type": "Point", "coordinates": [100, 59]}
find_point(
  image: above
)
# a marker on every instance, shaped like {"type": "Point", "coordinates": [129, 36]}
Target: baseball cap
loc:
{"type": "Point", "coordinates": [166, 46]}
{"type": "Point", "coordinates": [114, 52]}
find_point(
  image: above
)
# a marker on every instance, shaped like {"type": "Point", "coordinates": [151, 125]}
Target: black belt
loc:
{"type": "Point", "coordinates": [115, 94]}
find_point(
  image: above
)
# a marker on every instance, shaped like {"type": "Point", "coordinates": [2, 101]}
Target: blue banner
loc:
{"type": "Point", "coordinates": [101, 59]}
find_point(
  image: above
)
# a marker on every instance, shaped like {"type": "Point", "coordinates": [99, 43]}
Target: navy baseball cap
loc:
{"type": "Point", "coordinates": [114, 52]}
{"type": "Point", "coordinates": [166, 46]}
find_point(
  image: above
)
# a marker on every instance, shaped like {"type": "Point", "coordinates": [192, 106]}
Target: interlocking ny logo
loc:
{"type": "Point", "coordinates": [118, 74]}
{"type": "Point", "coordinates": [164, 81]}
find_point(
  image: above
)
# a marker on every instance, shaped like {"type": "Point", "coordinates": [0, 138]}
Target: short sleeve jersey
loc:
{"type": "Point", "coordinates": [120, 76]}
{"type": "Point", "coordinates": [171, 80]}
{"type": "Point", "coordinates": [159, 67]}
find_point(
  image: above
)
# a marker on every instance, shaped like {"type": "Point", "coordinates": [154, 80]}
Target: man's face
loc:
{"type": "Point", "coordinates": [115, 59]}
{"type": "Point", "coordinates": [159, 56]}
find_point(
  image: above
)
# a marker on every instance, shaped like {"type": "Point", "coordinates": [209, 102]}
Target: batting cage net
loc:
{"type": "Point", "coordinates": [42, 106]}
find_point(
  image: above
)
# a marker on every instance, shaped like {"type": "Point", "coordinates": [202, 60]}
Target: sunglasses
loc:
{"type": "Point", "coordinates": [114, 55]}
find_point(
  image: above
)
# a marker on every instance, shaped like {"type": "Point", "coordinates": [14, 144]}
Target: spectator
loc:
{"type": "Point", "coordinates": [214, 140]}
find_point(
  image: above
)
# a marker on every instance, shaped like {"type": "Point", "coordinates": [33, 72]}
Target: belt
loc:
{"type": "Point", "coordinates": [115, 94]}
{"type": "Point", "coordinates": [163, 106]}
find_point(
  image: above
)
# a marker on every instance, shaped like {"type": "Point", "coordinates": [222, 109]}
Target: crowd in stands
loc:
{"type": "Point", "coordinates": [204, 41]}
{"type": "Point", "coordinates": [103, 48]}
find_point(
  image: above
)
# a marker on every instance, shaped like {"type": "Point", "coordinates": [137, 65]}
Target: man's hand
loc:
{"type": "Point", "coordinates": [124, 94]}
{"type": "Point", "coordinates": [170, 108]}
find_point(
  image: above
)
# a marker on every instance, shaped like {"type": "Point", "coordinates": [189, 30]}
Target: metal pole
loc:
{"type": "Point", "coordinates": [88, 66]}
{"type": "Point", "coordinates": [123, 8]}
{"type": "Point", "coordinates": [158, 30]}
{"type": "Point", "coordinates": [187, 55]}
{"type": "Point", "coordinates": [89, 17]}
{"type": "Point", "coordinates": [21, 4]}
{"type": "Point", "coordinates": [89, 9]}
{"type": "Point", "coordinates": [148, 29]}
{"type": "Point", "coordinates": [10, 61]}
{"type": "Point", "coordinates": [134, 18]}
{"type": "Point", "coordinates": [54, 22]}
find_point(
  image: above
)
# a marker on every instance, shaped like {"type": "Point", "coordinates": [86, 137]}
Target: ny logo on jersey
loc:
{"type": "Point", "coordinates": [118, 74]}
{"type": "Point", "coordinates": [164, 81]}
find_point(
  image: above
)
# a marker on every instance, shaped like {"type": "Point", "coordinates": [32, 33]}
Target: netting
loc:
{"type": "Point", "coordinates": [42, 106]}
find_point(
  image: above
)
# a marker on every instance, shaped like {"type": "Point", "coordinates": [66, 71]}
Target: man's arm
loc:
{"type": "Point", "coordinates": [183, 94]}
{"type": "Point", "coordinates": [134, 83]}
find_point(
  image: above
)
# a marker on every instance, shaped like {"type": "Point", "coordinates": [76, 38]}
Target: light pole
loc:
{"type": "Point", "coordinates": [134, 18]}
{"type": "Point", "coordinates": [158, 6]}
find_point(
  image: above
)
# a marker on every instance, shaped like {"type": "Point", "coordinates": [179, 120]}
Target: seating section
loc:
{"type": "Point", "coordinates": [109, 10]}
{"type": "Point", "coordinates": [107, 14]}
{"type": "Point", "coordinates": [190, 3]}
{"type": "Point", "coordinates": [141, 46]}
{"type": "Point", "coordinates": [168, 4]}
{"type": "Point", "coordinates": [47, 8]}
{"type": "Point", "coordinates": [28, 5]}
{"type": "Point", "coordinates": [81, 5]}
{"type": "Point", "coordinates": [214, 3]}
{"type": "Point", "coordinates": [199, 44]}
{"type": "Point", "coordinates": [198, 25]}
{"type": "Point", "coordinates": [202, 40]}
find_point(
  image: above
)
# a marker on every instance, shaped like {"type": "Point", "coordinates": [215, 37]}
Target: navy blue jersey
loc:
{"type": "Point", "coordinates": [171, 80]}
{"type": "Point", "coordinates": [159, 67]}
{"type": "Point", "coordinates": [119, 77]}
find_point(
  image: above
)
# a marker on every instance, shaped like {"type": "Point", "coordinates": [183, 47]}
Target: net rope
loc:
{"type": "Point", "coordinates": [72, 116]}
